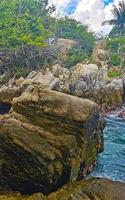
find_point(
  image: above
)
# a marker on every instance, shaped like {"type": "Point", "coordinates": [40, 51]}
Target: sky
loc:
{"type": "Point", "coordinates": [89, 12]}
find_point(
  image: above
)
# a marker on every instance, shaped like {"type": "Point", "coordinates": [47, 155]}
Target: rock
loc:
{"type": "Point", "coordinates": [81, 69]}
{"type": "Point", "coordinates": [48, 139]}
{"type": "Point", "coordinates": [89, 81]}
{"type": "Point", "coordinates": [100, 53]}
{"type": "Point", "coordinates": [91, 189]}
{"type": "Point", "coordinates": [63, 74]}
{"type": "Point", "coordinates": [8, 92]}
{"type": "Point", "coordinates": [121, 114]}
{"type": "Point", "coordinates": [15, 88]}
{"type": "Point", "coordinates": [59, 49]}
{"type": "Point", "coordinates": [14, 196]}
{"type": "Point", "coordinates": [83, 79]}
{"type": "Point", "coordinates": [64, 45]}
{"type": "Point", "coordinates": [32, 75]}
{"type": "Point", "coordinates": [111, 94]}
{"type": "Point", "coordinates": [19, 81]}
{"type": "Point", "coordinates": [54, 83]}
{"type": "Point", "coordinates": [76, 80]}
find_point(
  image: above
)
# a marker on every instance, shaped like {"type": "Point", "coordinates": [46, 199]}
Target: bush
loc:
{"type": "Point", "coordinates": [114, 60]}
{"type": "Point", "coordinates": [75, 57]}
{"type": "Point", "coordinates": [114, 72]}
{"type": "Point", "coordinates": [71, 29]}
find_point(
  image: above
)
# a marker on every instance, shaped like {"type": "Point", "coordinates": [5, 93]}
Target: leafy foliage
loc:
{"type": "Point", "coordinates": [75, 56]}
{"type": "Point", "coordinates": [114, 60]}
{"type": "Point", "coordinates": [116, 32]}
{"type": "Point", "coordinates": [71, 29]}
{"type": "Point", "coordinates": [116, 51]}
{"type": "Point", "coordinates": [25, 26]}
{"type": "Point", "coordinates": [85, 40]}
{"type": "Point", "coordinates": [114, 72]}
{"type": "Point", "coordinates": [114, 42]}
{"type": "Point", "coordinates": [21, 23]}
{"type": "Point", "coordinates": [119, 17]}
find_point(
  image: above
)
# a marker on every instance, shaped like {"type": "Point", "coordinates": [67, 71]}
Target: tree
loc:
{"type": "Point", "coordinates": [71, 29]}
{"type": "Point", "coordinates": [22, 29]}
{"type": "Point", "coordinates": [119, 18]}
{"type": "Point", "coordinates": [21, 23]}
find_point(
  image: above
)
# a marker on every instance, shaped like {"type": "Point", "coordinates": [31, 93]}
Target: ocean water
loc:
{"type": "Point", "coordinates": [111, 163]}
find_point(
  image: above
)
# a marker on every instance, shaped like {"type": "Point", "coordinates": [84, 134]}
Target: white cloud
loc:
{"type": "Point", "coordinates": [89, 12]}
{"type": "Point", "coordinates": [60, 6]}
{"type": "Point", "coordinates": [93, 13]}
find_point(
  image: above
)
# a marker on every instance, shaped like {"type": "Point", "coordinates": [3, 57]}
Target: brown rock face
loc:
{"type": "Point", "coordinates": [48, 139]}
{"type": "Point", "coordinates": [92, 189]}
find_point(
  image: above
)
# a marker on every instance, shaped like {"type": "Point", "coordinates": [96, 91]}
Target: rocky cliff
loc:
{"type": "Point", "coordinates": [48, 139]}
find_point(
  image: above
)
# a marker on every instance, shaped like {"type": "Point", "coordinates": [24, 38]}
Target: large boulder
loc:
{"type": "Point", "coordinates": [48, 139]}
{"type": "Point", "coordinates": [110, 95]}
{"type": "Point", "coordinates": [62, 74]}
{"type": "Point", "coordinates": [113, 92]}
{"type": "Point", "coordinates": [83, 78]}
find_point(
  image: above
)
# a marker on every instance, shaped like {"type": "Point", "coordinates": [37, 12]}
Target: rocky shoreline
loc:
{"type": "Point", "coordinates": [48, 139]}
{"type": "Point", "coordinates": [51, 135]}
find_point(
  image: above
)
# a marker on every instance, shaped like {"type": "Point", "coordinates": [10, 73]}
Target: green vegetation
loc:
{"type": "Point", "coordinates": [21, 23]}
{"type": "Point", "coordinates": [85, 40]}
{"type": "Point", "coordinates": [116, 39]}
{"type": "Point", "coordinates": [25, 26]}
{"type": "Point", "coordinates": [114, 59]}
{"type": "Point", "coordinates": [116, 51]}
{"type": "Point", "coordinates": [22, 27]}
{"type": "Point", "coordinates": [119, 18]}
{"type": "Point", "coordinates": [114, 72]}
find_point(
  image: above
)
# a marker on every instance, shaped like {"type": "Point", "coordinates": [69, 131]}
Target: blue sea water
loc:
{"type": "Point", "coordinates": [111, 163]}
